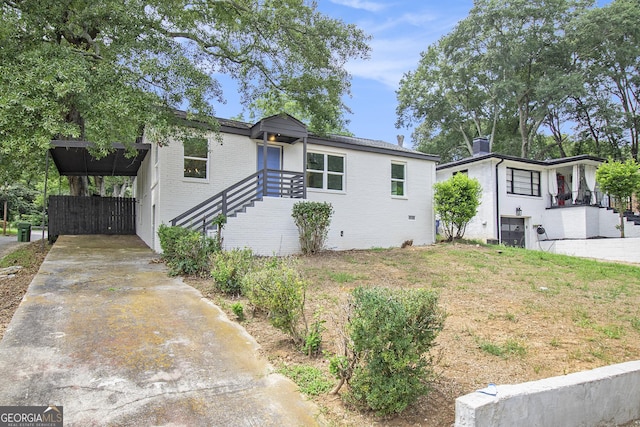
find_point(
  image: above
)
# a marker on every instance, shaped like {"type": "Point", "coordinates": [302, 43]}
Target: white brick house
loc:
{"type": "Point", "coordinates": [381, 193]}
{"type": "Point", "coordinates": [527, 201]}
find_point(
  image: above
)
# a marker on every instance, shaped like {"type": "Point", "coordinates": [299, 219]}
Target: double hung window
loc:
{"type": "Point", "coordinates": [325, 171]}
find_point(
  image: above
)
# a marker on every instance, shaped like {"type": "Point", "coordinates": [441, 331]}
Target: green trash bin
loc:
{"type": "Point", "coordinates": [24, 232]}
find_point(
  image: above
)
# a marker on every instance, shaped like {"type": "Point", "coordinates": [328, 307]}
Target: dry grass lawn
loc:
{"type": "Point", "coordinates": [512, 316]}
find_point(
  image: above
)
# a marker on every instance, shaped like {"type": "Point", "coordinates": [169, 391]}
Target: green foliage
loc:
{"type": "Point", "coordinates": [229, 267]}
{"type": "Point", "coordinates": [313, 220]}
{"type": "Point", "coordinates": [21, 203]}
{"type": "Point", "coordinates": [509, 348]}
{"type": "Point", "coordinates": [313, 337]}
{"type": "Point", "coordinates": [185, 251]}
{"type": "Point", "coordinates": [278, 289]}
{"type": "Point", "coordinates": [238, 310]}
{"type": "Point", "coordinates": [456, 200]}
{"type": "Point", "coordinates": [312, 381]}
{"type": "Point", "coordinates": [620, 180]}
{"type": "Point", "coordinates": [339, 367]}
{"type": "Point", "coordinates": [74, 69]}
{"type": "Point", "coordinates": [169, 237]}
{"type": "Point", "coordinates": [391, 332]}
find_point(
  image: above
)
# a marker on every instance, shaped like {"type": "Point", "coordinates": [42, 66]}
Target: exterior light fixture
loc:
{"type": "Point", "coordinates": [518, 211]}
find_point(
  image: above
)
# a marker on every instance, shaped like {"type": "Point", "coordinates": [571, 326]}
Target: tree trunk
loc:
{"type": "Point", "coordinates": [78, 185]}
{"type": "Point", "coordinates": [99, 181]}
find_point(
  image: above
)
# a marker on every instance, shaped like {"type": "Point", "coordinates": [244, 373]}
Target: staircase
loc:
{"type": "Point", "coordinates": [632, 217]}
{"type": "Point", "coordinates": [242, 195]}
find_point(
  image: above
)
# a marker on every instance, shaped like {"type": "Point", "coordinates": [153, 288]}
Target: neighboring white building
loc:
{"type": "Point", "coordinates": [381, 193]}
{"type": "Point", "coordinates": [526, 201]}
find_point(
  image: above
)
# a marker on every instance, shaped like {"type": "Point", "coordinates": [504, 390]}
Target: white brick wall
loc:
{"type": "Point", "coordinates": [366, 215]}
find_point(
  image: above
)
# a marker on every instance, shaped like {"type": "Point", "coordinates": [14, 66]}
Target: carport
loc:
{"type": "Point", "coordinates": [75, 215]}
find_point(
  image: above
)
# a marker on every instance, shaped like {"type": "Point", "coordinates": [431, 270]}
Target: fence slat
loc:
{"type": "Point", "coordinates": [91, 215]}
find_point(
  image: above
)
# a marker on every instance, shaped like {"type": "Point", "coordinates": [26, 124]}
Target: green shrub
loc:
{"type": "Point", "coordinates": [169, 239]}
{"type": "Point", "coordinates": [391, 332]}
{"type": "Point", "coordinates": [312, 220]}
{"type": "Point", "coordinates": [229, 267]}
{"type": "Point", "coordinates": [313, 337]}
{"type": "Point", "coordinates": [278, 289]}
{"type": "Point", "coordinates": [238, 310]}
{"type": "Point", "coordinates": [185, 251]}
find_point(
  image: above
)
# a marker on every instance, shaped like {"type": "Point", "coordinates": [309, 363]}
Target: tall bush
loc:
{"type": "Point", "coordinates": [228, 269]}
{"type": "Point", "coordinates": [456, 200]}
{"type": "Point", "coordinates": [313, 220]}
{"type": "Point", "coordinates": [185, 251]}
{"type": "Point", "coordinates": [620, 180]}
{"type": "Point", "coordinates": [278, 289]}
{"type": "Point", "coordinates": [391, 332]}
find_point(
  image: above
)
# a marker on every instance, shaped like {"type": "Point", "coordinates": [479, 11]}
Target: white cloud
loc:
{"type": "Point", "coordinates": [397, 44]}
{"type": "Point", "coordinates": [369, 6]}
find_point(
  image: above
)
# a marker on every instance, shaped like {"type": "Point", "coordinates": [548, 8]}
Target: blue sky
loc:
{"type": "Point", "coordinates": [401, 29]}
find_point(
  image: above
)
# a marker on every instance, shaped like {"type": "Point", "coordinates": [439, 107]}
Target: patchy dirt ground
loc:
{"type": "Point", "coordinates": [512, 317]}
{"type": "Point", "coordinates": [14, 286]}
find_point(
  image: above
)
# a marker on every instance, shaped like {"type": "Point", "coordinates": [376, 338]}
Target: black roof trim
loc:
{"type": "Point", "coordinates": [339, 141]}
{"type": "Point", "coordinates": [550, 162]}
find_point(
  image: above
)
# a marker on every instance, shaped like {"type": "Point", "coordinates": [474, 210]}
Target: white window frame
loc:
{"type": "Point", "coordinates": [326, 172]}
{"type": "Point", "coordinates": [205, 159]}
{"type": "Point", "coordinates": [403, 180]}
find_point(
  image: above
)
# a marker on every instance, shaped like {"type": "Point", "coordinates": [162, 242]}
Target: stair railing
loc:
{"type": "Point", "coordinates": [278, 183]}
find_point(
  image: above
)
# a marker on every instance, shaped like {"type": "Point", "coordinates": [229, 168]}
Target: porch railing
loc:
{"type": "Point", "coordinates": [583, 199]}
{"type": "Point", "coordinates": [244, 193]}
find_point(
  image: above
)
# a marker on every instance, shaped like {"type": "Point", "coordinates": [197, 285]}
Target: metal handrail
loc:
{"type": "Point", "coordinates": [278, 183]}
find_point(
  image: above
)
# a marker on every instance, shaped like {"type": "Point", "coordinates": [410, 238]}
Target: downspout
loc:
{"type": "Point", "coordinates": [498, 234]}
{"type": "Point", "coordinates": [264, 164]}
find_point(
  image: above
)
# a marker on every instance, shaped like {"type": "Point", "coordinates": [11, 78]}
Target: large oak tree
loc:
{"type": "Point", "coordinates": [102, 70]}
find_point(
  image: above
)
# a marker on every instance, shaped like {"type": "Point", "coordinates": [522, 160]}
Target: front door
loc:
{"type": "Point", "coordinates": [512, 231]}
{"type": "Point", "coordinates": [274, 161]}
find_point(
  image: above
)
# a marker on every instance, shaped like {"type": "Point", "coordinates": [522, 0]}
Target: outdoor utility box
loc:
{"type": "Point", "coordinates": [24, 232]}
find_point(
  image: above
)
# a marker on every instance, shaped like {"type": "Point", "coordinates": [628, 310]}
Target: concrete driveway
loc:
{"type": "Point", "coordinates": [106, 334]}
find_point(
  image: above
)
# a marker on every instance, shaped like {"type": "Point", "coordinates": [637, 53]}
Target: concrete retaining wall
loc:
{"type": "Point", "coordinates": [608, 396]}
{"type": "Point", "coordinates": [626, 250]}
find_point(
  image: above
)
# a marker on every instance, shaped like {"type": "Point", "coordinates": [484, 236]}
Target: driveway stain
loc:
{"type": "Point", "coordinates": [105, 333]}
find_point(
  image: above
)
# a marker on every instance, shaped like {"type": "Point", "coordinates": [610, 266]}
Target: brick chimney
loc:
{"type": "Point", "coordinates": [480, 146]}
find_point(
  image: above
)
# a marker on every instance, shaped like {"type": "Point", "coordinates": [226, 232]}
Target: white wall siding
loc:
{"type": "Point", "coordinates": [366, 215]}
{"type": "Point", "coordinates": [267, 228]}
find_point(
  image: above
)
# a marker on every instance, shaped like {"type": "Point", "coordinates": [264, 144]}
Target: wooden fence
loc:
{"type": "Point", "coordinates": [91, 215]}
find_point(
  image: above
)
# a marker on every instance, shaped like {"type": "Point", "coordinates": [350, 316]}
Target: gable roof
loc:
{"type": "Point", "coordinates": [550, 162]}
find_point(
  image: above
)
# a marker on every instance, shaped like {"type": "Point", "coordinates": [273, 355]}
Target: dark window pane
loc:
{"type": "Point", "coordinates": [196, 147]}
{"type": "Point", "coordinates": [397, 171]}
{"type": "Point", "coordinates": [195, 168]}
{"type": "Point", "coordinates": [335, 163]}
{"type": "Point", "coordinates": [334, 182]}
{"type": "Point", "coordinates": [315, 161]}
{"type": "Point", "coordinates": [314, 180]}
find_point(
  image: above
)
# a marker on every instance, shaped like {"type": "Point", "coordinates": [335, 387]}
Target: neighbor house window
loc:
{"type": "Point", "coordinates": [523, 182]}
{"type": "Point", "coordinates": [398, 179]}
{"type": "Point", "coordinates": [196, 157]}
{"type": "Point", "coordinates": [325, 171]}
